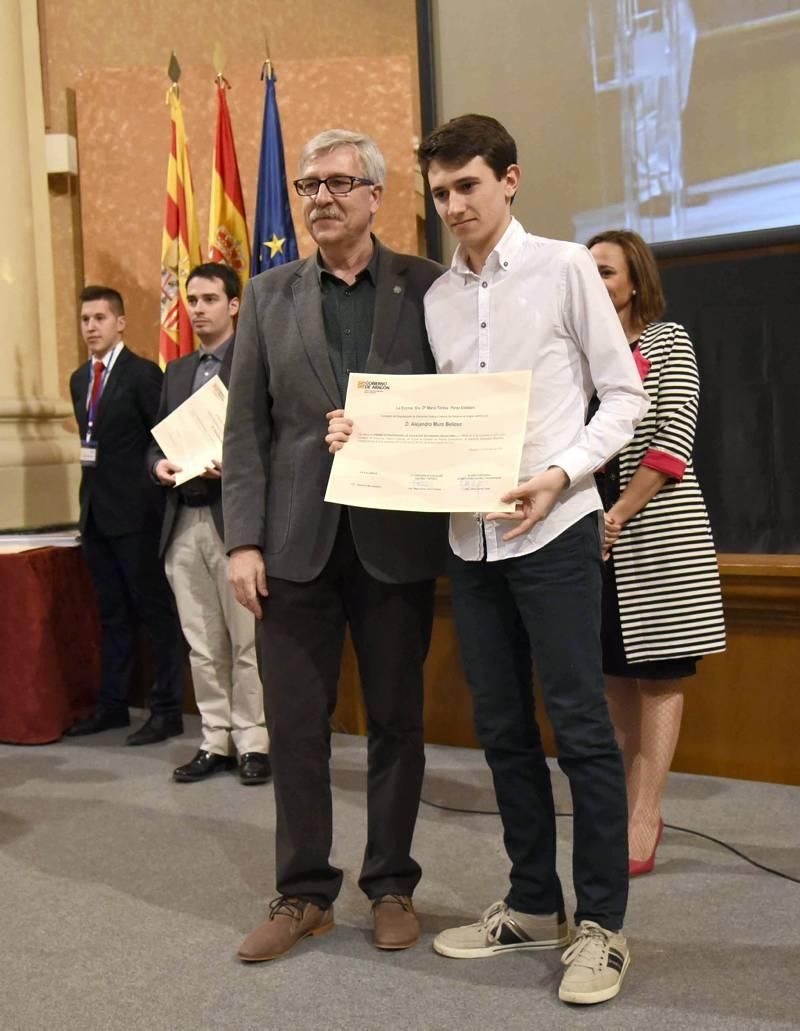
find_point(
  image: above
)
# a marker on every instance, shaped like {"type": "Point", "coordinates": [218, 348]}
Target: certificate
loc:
{"type": "Point", "coordinates": [191, 436]}
{"type": "Point", "coordinates": [432, 443]}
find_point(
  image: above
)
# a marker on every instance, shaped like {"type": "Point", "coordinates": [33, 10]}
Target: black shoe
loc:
{"type": "Point", "coordinates": [254, 768]}
{"type": "Point", "coordinates": [157, 728]}
{"type": "Point", "coordinates": [100, 721]}
{"type": "Point", "coordinates": [202, 766]}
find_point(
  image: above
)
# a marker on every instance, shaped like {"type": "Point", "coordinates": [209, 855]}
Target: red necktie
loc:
{"type": "Point", "coordinates": [97, 384]}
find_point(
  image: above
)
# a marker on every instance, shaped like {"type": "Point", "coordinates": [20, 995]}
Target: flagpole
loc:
{"type": "Point", "coordinates": [228, 239]}
{"type": "Point", "coordinates": [266, 68]}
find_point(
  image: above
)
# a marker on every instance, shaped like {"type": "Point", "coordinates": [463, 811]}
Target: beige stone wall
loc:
{"type": "Point", "coordinates": [37, 457]}
{"type": "Point", "coordinates": [359, 66]}
{"type": "Point", "coordinates": [123, 173]}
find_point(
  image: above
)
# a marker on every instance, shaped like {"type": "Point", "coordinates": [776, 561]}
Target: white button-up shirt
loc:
{"type": "Point", "coordinates": [107, 361]}
{"type": "Point", "coordinates": [540, 304]}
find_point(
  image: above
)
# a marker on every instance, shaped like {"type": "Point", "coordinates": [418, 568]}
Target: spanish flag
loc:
{"type": "Point", "coordinates": [228, 239]}
{"type": "Point", "coordinates": [180, 247]}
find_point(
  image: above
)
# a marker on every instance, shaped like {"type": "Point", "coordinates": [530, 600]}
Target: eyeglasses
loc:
{"type": "Point", "coordinates": [337, 185]}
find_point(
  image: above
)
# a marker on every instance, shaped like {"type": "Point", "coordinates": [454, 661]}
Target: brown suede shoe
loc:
{"type": "Point", "coordinates": [395, 922]}
{"type": "Point", "coordinates": [289, 921]}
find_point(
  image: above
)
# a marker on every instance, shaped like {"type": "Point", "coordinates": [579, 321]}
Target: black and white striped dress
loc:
{"type": "Point", "coordinates": [670, 604]}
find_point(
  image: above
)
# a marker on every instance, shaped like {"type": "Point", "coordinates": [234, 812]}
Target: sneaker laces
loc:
{"type": "Point", "coordinates": [590, 948]}
{"type": "Point", "coordinates": [493, 920]}
{"type": "Point", "coordinates": [285, 905]}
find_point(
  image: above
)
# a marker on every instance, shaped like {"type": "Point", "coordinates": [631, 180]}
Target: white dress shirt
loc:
{"type": "Point", "coordinates": [540, 304]}
{"type": "Point", "coordinates": [107, 361]}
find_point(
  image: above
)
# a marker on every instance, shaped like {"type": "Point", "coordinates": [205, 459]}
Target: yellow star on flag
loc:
{"type": "Point", "coordinates": [275, 245]}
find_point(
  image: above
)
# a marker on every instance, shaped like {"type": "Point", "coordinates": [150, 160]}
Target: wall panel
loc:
{"type": "Point", "coordinates": [135, 40]}
{"type": "Point", "coordinates": [123, 133]}
{"type": "Point", "coordinates": [741, 715]}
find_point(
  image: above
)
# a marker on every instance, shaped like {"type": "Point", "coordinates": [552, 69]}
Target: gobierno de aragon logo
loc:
{"type": "Point", "coordinates": [371, 385]}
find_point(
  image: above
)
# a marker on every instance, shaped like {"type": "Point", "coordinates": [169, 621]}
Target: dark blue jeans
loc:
{"type": "Point", "coordinates": [542, 611]}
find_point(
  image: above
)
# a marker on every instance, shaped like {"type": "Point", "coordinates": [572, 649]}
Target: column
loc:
{"type": "Point", "coordinates": [38, 456]}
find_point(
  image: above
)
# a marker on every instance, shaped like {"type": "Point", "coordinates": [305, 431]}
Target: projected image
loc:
{"type": "Point", "coordinates": [645, 53]}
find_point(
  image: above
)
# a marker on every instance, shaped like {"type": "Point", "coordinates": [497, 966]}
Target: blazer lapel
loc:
{"type": "Point", "coordinates": [308, 310]}
{"type": "Point", "coordinates": [389, 296]}
{"type": "Point", "coordinates": [184, 377]}
{"type": "Point", "coordinates": [227, 362]}
{"type": "Point", "coordinates": [82, 393]}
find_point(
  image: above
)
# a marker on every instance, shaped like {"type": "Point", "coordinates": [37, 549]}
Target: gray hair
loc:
{"type": "Point", "coordinates": [372, 161]}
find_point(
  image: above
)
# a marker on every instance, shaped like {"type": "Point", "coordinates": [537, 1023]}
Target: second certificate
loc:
{"type": "Point", "coordinates": [432, 443]}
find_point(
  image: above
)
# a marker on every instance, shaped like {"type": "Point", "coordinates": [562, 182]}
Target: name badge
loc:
{"type": "Point", "coordinates": [88, 452]}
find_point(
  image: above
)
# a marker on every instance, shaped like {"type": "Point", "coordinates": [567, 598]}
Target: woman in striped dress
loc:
{"type": "Point", "coordinates": [662, 608]}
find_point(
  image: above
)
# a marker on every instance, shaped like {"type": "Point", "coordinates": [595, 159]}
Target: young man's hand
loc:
{"type": "Point", "coordinates": [164, 472]}
{"type": "Point", "coordinates": [247, 574]}
{"type": "Point", "coordinates": [535, 500]}
{"type": "Point", "coordinates": [339, 430]}
{"type": "Point", "coordinates": [213, 471]}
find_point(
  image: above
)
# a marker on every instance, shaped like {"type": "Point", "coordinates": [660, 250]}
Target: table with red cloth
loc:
{"type": "Point", "coordinates": [49, 644]}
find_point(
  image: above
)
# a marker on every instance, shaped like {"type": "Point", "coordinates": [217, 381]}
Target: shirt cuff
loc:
{"type": "Point", "coordinates": [573, 462]}
{"type": "Point", "coordinates": [669, 465]}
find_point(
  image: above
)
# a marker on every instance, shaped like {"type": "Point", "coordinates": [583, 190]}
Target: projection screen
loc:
{"type": "Point", "coordinates": [676, 118]}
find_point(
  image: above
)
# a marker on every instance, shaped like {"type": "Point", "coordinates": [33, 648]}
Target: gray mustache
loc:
{"type": "Point", "coordinates": [325, 213]}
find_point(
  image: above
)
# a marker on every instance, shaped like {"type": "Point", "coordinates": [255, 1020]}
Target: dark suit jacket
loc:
{"type": "Point", "coordinates": [176, 389]}
{"type": "Point", "coordinates": [275, 458]}
{"type": "Point", "coordinates": [121, 496]}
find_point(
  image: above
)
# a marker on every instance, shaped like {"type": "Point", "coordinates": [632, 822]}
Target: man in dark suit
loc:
{"type": "Point", "coordinates": [115, 398]}
{"type": "Point", "coordinates": [354, 307]}
{"type": "Point", "coordinates": [220, 632]}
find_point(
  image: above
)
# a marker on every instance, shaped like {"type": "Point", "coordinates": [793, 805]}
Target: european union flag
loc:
{"type": "Point", "coordinates": [274, 242]}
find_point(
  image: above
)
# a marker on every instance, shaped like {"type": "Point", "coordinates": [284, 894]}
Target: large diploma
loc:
{"type": "Point", "coordinates": [191, 436]}
{"type": "Point", "coordinates": [432, 443]}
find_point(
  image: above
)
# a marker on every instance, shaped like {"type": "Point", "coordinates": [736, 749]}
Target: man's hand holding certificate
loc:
{"type": "Point", "coordinates": [191, 436]}
{"type": "Point", "coordinates": [432, 443]}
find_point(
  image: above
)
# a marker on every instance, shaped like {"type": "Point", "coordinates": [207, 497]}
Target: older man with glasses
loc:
{"type": "Point", "coordinates": [307, 569]}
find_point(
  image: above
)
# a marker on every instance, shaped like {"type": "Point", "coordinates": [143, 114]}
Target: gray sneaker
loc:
{"type": "Point", "coordinates": [501, 929]}
{"type": "Point", "coordinates": [596, 963]}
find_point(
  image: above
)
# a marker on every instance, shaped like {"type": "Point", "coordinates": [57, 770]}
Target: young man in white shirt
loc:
{"type": "Point", "coordinates": [526, 586]}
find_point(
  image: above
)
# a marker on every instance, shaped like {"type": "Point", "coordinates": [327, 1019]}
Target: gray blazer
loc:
{"type": "Point", "coordinates": [275, 460]}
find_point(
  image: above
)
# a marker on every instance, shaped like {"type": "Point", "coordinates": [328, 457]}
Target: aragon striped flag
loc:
{"type": "Point", "coordinates": [228, 239]}
{"type": "Point", "coordinates": [180, 247]}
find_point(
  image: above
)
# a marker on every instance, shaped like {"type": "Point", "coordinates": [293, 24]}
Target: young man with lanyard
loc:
{"type": "Point", "coordinates": [115, 399]}
{"type": "Point", "coordinates": [528, 596]}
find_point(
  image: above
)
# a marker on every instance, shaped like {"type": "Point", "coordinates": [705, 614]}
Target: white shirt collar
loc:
{"type": "Point", "coordinates": [502, 254]}
{"type": "Point", "coordinates": [109, 357]}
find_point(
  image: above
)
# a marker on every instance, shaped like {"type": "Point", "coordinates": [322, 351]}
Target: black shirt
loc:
{"type": "Point", "coordinates": [348, 312]}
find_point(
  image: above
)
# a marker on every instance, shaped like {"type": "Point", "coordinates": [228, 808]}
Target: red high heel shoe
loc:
{"type": "Point", "coordinates": [637, 867]}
